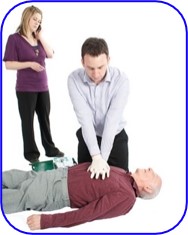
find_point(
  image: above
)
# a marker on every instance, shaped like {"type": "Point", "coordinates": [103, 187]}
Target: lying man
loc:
{"type": "Point", "coordinates": [74, 187]}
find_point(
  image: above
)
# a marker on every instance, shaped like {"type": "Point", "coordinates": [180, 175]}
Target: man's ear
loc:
{"type": "Point", "coordinates": [82, 61]}
{"type": "Point", "coordinates": [148, 189]}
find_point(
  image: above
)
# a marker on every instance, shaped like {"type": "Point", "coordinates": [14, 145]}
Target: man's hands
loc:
{"type": "Point", "coordinates": [99, 167]}
{"type": "Point", "coordinates": [33, 222]}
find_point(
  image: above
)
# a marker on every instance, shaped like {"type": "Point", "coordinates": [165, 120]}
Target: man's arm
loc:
{"type": "Point", "coordinates": [110, 205]}
{"type": "Point", "coordinates": [85, 117]}
{"type": "Point", "coordinates": [83, 113]}
{"type": "Point", "coordinates": [114, 117]}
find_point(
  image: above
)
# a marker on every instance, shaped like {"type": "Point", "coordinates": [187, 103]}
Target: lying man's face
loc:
{"type": "Point", "coordinates": [148, 181]}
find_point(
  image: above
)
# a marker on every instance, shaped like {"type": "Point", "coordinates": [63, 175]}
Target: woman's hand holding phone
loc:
{"type": "Point", "coordinates": [38, 33]}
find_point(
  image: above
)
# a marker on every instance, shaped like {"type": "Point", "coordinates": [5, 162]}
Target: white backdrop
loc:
{"type": "Point", "coordinates": [147, 42]}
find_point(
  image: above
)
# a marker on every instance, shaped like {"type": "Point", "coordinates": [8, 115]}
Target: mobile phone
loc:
{"type": "Point", "coordinates": [39, 29]}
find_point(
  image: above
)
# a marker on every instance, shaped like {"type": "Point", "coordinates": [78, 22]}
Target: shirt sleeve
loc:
{"type": "Point", "coordinates": [114, 116]}
{"type": "Point", "coordinates": [84, 115]}
{"type": "Point", "coordinates": [112, 205]}
{"type": "Point", "coordinates": [11, 50]}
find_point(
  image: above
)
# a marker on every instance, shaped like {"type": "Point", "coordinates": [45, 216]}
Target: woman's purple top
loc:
{"type": "Point", "coordinates": [18, 49]}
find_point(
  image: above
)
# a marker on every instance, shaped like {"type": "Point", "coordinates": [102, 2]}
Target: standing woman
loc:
{"type": "Point", "coordinates": [25, 52]}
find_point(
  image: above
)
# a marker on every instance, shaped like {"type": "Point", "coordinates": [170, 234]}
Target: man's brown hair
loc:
{"type": "Point", "coordinates": [94, 47]}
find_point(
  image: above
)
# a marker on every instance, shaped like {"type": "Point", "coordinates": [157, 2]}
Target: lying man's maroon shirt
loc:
{"type": "Point", "coordinates": [94, 198]}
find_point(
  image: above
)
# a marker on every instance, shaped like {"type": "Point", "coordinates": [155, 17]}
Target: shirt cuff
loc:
{"type": "Point", "coordinates": [46, 221]}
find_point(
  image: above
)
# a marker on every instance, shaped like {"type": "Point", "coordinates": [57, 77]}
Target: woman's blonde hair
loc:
{"type": "Point", "coordinates": [26, 16]}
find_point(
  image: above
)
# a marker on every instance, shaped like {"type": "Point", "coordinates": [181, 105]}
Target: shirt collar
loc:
{"type": "Point", "coordinates": [134, 184]}
{"type": "Point", "coordinates": [107, 78]}
{"type": "Point", "coordinates": [135, 187]}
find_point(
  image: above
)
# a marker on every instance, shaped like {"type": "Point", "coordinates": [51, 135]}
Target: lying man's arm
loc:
{"type": "Point", "coordinates": [110, 205]}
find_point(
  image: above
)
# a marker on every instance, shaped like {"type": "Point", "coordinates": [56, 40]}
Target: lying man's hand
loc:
{"type": "Point", "coordinates": [33, 222]}
{"type": "Point", "coordinates": [99, 167]}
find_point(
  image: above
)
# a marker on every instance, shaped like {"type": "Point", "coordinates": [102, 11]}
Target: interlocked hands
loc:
{"type": "Point", "coordinates": [99, 167]}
